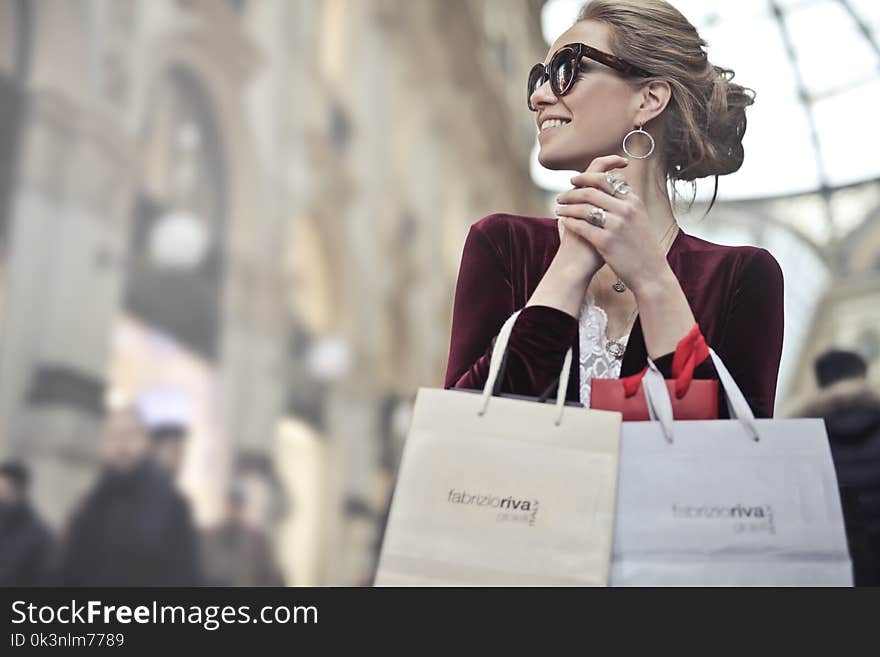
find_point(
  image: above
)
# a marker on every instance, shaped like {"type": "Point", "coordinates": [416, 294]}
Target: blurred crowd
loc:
{"type": "Point", "coordinates": [133, 527]}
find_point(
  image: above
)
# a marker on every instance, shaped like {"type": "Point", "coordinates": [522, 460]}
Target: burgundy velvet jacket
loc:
{"type": "Point", "coordinates": [735, 293]}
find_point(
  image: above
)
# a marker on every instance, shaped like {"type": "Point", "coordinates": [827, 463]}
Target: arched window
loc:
{"type": "Point", "coordinates": [176, 264]}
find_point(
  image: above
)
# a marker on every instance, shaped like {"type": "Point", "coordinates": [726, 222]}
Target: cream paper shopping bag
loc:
{"type": "Point", "coordinates": [498, 491]}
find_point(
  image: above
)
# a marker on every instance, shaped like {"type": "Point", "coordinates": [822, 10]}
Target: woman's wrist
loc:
{"type": "Point", "coordinates": [571, 270]}
{"type": "Point", "coordinates": [665, 313]}
{"type": "Point", "coordinates": [657, 288]}
{"type": "Point", "coordinates": [562, 286]}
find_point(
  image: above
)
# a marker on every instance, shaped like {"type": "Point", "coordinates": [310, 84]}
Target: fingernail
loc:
{"type": "Point", "coordinates": [558, 209]}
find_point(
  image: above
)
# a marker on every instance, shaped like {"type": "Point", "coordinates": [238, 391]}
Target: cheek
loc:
{"type": "Point", "coordinates": [599, 112]}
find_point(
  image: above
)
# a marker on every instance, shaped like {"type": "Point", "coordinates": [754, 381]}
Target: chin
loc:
{"type": "Point", "coordinates": [560, 162]}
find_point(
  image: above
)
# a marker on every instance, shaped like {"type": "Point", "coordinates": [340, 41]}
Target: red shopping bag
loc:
{"type": "Point", "coordinates": [691, 399]}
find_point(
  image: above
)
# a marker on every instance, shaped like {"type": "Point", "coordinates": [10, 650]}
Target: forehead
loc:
{"type": "Point", "coordinates": [588, 32]}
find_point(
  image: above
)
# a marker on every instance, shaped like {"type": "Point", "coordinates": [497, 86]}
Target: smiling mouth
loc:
{"type": "Point", "coordinates": [550, 124]}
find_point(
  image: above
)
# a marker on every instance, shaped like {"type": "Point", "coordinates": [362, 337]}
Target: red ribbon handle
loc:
{"type": "Point", "coordinates": [690, 352]}
{"type": "Point", "coordinates": [631, 383]}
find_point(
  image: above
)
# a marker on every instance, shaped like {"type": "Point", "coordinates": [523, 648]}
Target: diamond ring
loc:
{"type": "Point", "coordinates": [618, 187]}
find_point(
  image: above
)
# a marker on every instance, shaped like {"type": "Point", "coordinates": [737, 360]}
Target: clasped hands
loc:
{"type": "Point", "coordinates": [620, 233]}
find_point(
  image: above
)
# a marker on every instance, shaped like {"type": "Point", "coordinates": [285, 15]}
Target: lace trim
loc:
{"type": "Point", "coordinates": [595, 361]}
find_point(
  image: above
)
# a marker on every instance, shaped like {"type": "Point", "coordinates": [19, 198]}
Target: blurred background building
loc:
{"type": "Point", "coordinates": [247, 215]}
{"type": "Point", "coordinates": [250, 214]}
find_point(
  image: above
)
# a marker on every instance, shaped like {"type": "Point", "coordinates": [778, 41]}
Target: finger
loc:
{"type": "Point", "coordinates": [593, 196]}
{"type": "Point", "coordinates": [593, 234]}
{"type": "Point", "coordinates": [581, 179]}
{"type": "Point", "coordinates": [582, 212]}
{"type": "Point", "coordinates": [606, 163]}
{"type": "Point", "coordinates": [597, 180]}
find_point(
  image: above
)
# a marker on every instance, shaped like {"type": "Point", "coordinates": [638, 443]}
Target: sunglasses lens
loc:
{"type": "Point", "coordinates": [536, 79]}
{"type": "Point", "coordinates": [562, 71]}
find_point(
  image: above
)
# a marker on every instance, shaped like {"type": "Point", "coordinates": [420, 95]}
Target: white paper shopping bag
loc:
{"type": "Point", "coordinates": [726, 502]}
{"type": "Point", "coordinates": [499, 491]}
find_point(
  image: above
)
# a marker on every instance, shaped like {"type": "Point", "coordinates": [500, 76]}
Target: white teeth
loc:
{"type": "Point", "coordinates": [552, 123]}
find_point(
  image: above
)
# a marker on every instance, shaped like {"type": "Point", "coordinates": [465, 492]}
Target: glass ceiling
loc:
{"type": "Point", "coordinates": [815, 66]}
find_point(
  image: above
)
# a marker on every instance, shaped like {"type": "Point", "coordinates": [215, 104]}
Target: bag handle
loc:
{"type": "Point", "coordinates": [657, 399]}
{"type": "Point", "coordinates": [689, 352]}
{"type": "Point", "coordinates": [498, 352]}
{"type": "Point", "coordinates": [736, 401]}
{"type": "Point", "coordinates": [660, 406]}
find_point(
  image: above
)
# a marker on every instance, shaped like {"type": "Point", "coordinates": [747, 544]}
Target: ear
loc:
{"type": "Point", "coordinates": [654, 97]}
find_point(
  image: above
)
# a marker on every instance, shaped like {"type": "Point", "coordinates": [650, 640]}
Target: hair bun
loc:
{"type": "Point", "coordinates": [723, 119]}
{"type": "Point", "coordinates": [704, 121]}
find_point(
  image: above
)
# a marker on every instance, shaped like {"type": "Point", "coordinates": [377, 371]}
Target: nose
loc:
{"type": "Point", "coordinates": [542, 96]}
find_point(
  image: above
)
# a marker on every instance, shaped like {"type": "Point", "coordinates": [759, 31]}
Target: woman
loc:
{"type": "Point", "coordinates": [633, 102]}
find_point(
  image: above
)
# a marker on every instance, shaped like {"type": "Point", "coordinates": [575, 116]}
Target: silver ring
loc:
{"type": "Point", "coordinates": [618, 186]}
{"type": "Point", "coordinates": [597, 217]}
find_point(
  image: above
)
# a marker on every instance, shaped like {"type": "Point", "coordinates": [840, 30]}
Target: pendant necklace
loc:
{"type": "Point", "coordinates": [618, 285]}
{"type": "Point", "coordinates": [616, 348]}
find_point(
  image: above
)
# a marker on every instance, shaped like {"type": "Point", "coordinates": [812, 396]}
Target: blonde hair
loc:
{"type": "Point", "coordinates": [705, 119]}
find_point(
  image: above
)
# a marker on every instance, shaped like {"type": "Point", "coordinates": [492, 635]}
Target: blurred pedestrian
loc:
{"type": "Point", "coordinates": [166, 412]}
{"type": "Point", "coordinates": [236, 552]}
{"type": "Point", "coordinates": [25, 540]}
{"type": "Point", "coordinates": [852, 418]}
{"type": "Point", "coordinates": [133, 528]}
{"type": "Point", "coordinates": [168, 446]}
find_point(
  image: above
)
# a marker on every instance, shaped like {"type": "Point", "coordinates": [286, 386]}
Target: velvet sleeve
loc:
{"type": "Point", "coordinates": [484, 299]}
{"type": "Point", "coordinates": [752, 343]}
{"type": "Point", "coordinates": [751, 346]}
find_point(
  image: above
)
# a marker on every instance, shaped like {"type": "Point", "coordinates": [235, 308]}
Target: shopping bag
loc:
{"type": "Point", "coordinates": [691, 399]}
{"type": "Point", "coordinates": [732, 502]}
{"type": "Point", "coordinates": [699, 403]}
{"type": "Point", "coordinates": [500, 491]}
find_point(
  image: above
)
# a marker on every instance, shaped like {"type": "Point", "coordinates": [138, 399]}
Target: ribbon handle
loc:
{"type": "Point", "coordinates": [690, 351]}
{"type": "Point", "coordinates": [498, 352]}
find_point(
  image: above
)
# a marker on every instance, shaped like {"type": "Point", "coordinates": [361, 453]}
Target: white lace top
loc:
{"type": "Point", "coordinates": [595, 361]}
